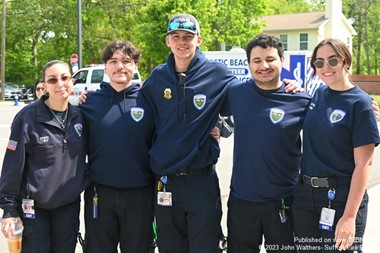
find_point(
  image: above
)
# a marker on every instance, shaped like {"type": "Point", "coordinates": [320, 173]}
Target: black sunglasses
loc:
{"type": "Point", "coordinates": [332, 62]}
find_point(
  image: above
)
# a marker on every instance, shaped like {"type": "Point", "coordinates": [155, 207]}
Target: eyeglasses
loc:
{"type": "Point", "coordinates": [54, 80]}
{"type": "Point", "coordinates": [40, 89]}
{"type": "Point", "coordinates": [184, 25]}
{"type": "Point", "coordinates": [332, 62]}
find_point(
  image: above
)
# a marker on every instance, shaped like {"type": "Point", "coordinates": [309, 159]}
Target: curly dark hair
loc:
{"type": "Point", "coordinates": [265, 40]}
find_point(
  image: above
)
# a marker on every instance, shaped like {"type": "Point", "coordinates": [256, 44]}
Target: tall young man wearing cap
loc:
{"type": "Point", "coordinates": [186, 95]}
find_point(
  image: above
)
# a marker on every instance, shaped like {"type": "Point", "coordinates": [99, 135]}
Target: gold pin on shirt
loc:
{"type": "Point", "coordinates": [168, 93]}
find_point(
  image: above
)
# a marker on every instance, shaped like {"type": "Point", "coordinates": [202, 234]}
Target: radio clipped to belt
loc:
{"type": "Point", "coordinates": [164, 198]}
{"type": "Point", "coordinates": [326, 220]}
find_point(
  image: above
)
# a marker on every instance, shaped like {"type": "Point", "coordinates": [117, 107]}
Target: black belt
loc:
{"type": "Point", "coordinates": [203, 171]}
{"type": "Point", "coordinates": [317, 182]}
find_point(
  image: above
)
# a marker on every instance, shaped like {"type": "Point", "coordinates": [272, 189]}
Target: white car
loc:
{"type": "Point", "coordinates": [11, 93]}
{"type": "Point", "coordinates": [89, 78]}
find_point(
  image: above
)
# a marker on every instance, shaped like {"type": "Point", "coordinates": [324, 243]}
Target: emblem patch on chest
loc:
{"type": "Point", "coordinates": [79, 129]}
{"type": "Point", "coordinates": [337, 115]}
{"type": "Point", "coordinates": [199, 101]}
{"type": "Point", "coordinates": [276, 115]}
{"type": "Point", "coordinates": [137, 113]}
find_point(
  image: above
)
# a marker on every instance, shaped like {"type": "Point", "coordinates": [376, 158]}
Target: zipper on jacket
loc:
{"type": "Point", "coordinates": [182, 84]}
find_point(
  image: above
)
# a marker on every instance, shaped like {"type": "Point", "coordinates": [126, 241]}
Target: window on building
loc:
{"type": "Point", "coordinates": [284, 38]}
{"type": "Point", "coordinates": [304, 41]}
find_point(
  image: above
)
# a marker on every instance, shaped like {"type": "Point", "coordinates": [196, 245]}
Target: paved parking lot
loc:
{"type": "Point", "coordinates": [8, 110]}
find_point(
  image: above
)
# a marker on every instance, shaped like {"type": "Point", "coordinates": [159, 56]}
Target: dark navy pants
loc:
{"type": "Point", "coordinates": [248, 222]}
{"type": "Point", "coordinates": [192, 223]}
{"type": "Point", "coordinates": [52, 230]}
{"type": "Point", "coordinates": [124, 220]}
{"type": "Point", "coordinates": [307, 206]}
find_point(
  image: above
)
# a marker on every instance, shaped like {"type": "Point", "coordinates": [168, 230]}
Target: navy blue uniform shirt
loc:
{"type": "Point", "coordinates": [44, 162]}
{"type": "Point", "coordinates": [335, 124]}
{"type": "Point", "coordinates": [267, 141]}
{"type": "Point", "coordinates": [185, 113]}
{"type": "Point", "coordinates": [121, 130]}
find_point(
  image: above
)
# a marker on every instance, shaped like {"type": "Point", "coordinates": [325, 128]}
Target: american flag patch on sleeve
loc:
{"type": "Point", "coordinates": [12, 145]}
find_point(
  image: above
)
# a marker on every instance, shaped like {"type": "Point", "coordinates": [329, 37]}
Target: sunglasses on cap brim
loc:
{"type": "Point", "coordinates": [188, 25]}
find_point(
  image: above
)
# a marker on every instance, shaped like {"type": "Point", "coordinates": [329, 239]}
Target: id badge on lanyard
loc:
{"type": "Point", "coordinates": [326, 220]}
{"type": "Point", "coordinates": [28, 208]}
{"type": "Point", "coordinates": [164, 198]}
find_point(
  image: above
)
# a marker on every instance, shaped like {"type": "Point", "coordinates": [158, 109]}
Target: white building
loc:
{"type": "Point", "coordinates": [303, 31]}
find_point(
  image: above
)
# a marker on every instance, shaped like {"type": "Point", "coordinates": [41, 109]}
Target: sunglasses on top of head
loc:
{"type": "Point", "coordinates": [332, 62]}
{"type": "Point", "coordinates": [55, 80]}
{"type": "Point", "coordinates": [184, 25]}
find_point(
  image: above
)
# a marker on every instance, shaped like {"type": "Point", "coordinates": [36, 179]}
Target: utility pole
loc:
{"type": "Point", "coordinates": [3, 30]}
{"type": "Point", "coordinates": [79, 3]}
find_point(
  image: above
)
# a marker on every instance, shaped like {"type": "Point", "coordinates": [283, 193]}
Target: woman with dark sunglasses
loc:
{"type": "Point", "coordinates": [39, 89]}
{"type": "Point", "coordinates": [339, 133]}
{"type": "Point", "coordinates": [43, 172]}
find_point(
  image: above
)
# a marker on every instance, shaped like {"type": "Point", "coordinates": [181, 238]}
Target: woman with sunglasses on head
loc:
{"type": "Point", "coordinates": [339, 133]}
{"type": "Point", "coordinates": [43, 172]}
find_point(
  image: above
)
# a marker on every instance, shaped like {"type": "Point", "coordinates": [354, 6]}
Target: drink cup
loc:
{"type": "Point", "coordinates": [15, 241]}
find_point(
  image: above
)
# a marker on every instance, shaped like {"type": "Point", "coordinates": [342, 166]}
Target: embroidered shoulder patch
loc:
{"type": "Point", "coordinates": [276, 115]}
{"type": "Point", "coordinates": [12, 145]}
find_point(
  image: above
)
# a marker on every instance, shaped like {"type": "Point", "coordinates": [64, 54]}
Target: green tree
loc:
{"type": "Point", "coordinates": [293, 6]}
{"type": "Point", "coordinates": [37, 31]}
{"type": "Point", "coordinates": [222, 22]}
{"type": "Point", "coordinates": [107, 20]}
{"type": "Point", "coordinates": [366, 16]}
{"type": "Point", "coordinates": [42, 30]}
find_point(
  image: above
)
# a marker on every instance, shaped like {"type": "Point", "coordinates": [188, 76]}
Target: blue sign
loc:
{"type": "Point", "coordinates": [295, 68]}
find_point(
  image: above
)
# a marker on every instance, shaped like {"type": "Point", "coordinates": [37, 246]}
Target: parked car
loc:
{"type": "Point", "coordinates": [28, 94]}
{"type": "Point", "coordinates": [11, 91]}
{"type": "Point", "coordinates": [89, 78]}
